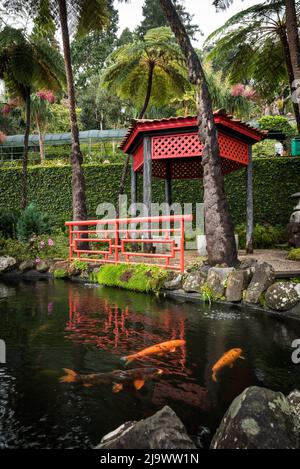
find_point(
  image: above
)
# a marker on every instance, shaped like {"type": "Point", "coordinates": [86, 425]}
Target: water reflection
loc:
{"type": "Point", "coordinates": [122, 331]}
{"type": "Point", "coordinates": [49, 326]}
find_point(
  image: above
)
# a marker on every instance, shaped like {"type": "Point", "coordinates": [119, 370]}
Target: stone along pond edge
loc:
{"type": "Point", "coordinates": [252, 286]}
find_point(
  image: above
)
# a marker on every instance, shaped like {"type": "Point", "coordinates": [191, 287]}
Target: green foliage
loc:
{"type": "Point", "coordinates": [154, 17]}
{"type": "Point", "coordinates": [207, 294]}
{"type": "Point", "coordinates": [248, 48]}
{"type": "Point", "coordinates": [99, 45]}
{"type": "Point", "coordinates": [278, 123]}
{"type": "Point", "coordinates": [140, 278]}
{"type": "Point", "coordinates": [294, 254]}
{"type": "Point", "coordinates": [274, 180]}
{"type": "Point", "coordinates": [32, 222]}
{"type": "Point", "coordinates": [129, 69]}
{"type": "Point", "coordinates": [264, 236]}
{"type": "Point", "coordinates": [38, 248]}
{"type": "Point", "coordinates": [80, 265]}
{"type": "Point", "coordinates": [8, 223]}
{"type": "Point", "coordinates": [60, 274]}
{"type": "Point", "coordinates": [264, 149]}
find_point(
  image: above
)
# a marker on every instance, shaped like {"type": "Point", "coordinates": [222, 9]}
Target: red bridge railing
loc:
{"type": "Point", "coordinates": [123, 240]}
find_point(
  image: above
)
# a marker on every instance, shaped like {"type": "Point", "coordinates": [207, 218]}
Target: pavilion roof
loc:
{"type": "Point", "coordinates": [237, 126]}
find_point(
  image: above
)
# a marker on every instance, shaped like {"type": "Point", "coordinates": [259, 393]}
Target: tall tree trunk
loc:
{"type": "Point", "coordinates": [41, 139]}
{"type": "Point", "coordinates": [149, 90]}
{"type": "Point", "coordinates": [290, 71]}
{"type": "Point", "coordinates": [25, 152]}
{"type": "Point", "coordinates": [294, 44]}
{"type": "Point", "coordinates": [78, 182]}
{"type": "Point", "coordinates": [221, 247]}
{"type": "Point", "coordinates": [141, 115]}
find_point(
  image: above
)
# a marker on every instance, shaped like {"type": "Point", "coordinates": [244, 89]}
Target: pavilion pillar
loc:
{"type": "Point", "coordinates": [250, 205]}
{"type": "Point", "coordinates": [147, 189]}
{"type": "Point", "coordinates": [147, 177]}
{"type": "Point", "coordinates": [133, 190]}
{"type": "Point", "coordinates": [168, 185]}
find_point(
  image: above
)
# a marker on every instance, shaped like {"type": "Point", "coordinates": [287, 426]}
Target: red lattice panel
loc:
{"type": "Point", "coordinates": [176, 146]}
{"type": "Point", "coordinates": [233, 149]}
{"type": "Point", "coordinates": [138, 158]}
{"type": "Point", "coordinates": [188, 169]}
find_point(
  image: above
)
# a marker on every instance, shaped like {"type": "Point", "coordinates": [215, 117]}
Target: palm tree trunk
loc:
{"type": "Point", "coordinates": [25, 152]}
{"type": "Point", "coordinates": [221, 247]}
{"type": "Point", "coordinates": [149, 90]}
{"type": "Point", "coordinates": [41, 139]}
{"type": "Point", "coordinates": [294, 44]}
{"type": "Point", "coordinates": [78, 182]}
{"type": "Point", "coordinates": [127, 160]}
{"type": "Point", "coordinates": [290, 71]}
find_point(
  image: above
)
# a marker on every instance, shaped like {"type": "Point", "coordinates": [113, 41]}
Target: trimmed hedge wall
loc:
{"type": "Point", "coordinates": [50, 188]}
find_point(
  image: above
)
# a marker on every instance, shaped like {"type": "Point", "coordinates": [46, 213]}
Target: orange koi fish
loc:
{"type": "Point", "coordinates": [159, 349]}
{"type": "Point", "coordinates": [118, 378]}
{"type": "Point", "coordinates": [227, 359]}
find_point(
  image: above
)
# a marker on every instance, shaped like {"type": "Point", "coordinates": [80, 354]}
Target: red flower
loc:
{"type": "Point", "coordinates": [46, 95]}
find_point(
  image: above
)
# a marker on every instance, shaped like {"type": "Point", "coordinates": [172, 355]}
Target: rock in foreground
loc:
{"type": "Point", "coordinates": [257, 419]}
{"type": "Point", "coordinates": [7, 263]}
{"type": "Point", "coordinates": [281, 296]}
{"type": "Point", "coordinates": [162, 430]}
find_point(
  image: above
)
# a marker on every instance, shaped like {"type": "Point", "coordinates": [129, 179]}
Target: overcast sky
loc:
{"type": "Point", "coordinates": [205, 15]}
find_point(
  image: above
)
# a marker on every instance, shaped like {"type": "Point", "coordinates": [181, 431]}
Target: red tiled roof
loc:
{"type": "Point", "coordinates": [221, 117]}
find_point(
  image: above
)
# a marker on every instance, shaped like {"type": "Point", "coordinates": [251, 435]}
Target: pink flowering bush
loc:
{"type": "Point", "coordinates": [46, 95]}
{"type": "Point", "coordinates": [241, 90]}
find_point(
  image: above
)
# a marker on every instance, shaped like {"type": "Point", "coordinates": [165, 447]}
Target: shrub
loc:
{"type": "Point", "coordinates": [294, 254]}
{"type": "Point", "coordinates": [40, 247]}
{"type": "Point", "coordinates": [32, 222]}
{"type": "Point", "coordinates": [140, 278]}
{"type": "Point", "coordinates": [8, 223]}
{"type": "Point", "coordinates": [278, 123]}
{"type": "Point", "coordinates": [264, 236]}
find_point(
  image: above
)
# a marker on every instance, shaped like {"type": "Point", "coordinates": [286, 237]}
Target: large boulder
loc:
{"type": "Point", "coordinates": [25, 266]}
{"type": "Point", "coordinates": [7, 263]}
{"type": "Point", "coordinates": [294, 403]}
{"type": "Point", "coordinates": [237, 281]}
{"type": "Point", "coordinates": [194, 281]}
{"type": "Point", "coordinates": [162, 430]}
{"type": "Point", "coordinates": [42, 266]}
{"type": "Point", "coordinates": [257, 419]}
{"type": "Point", "coordinates": [174, 284]}
{"type": "Point", "coordinates": [216, 280]}
{"type": "Point", "coordinates": [263, 277]}
{"type": "Point", "coordinates": [281, 296]}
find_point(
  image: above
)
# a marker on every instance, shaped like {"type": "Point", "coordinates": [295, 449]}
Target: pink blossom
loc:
{"type": "Point", "coordinates": [42, 244]}
{"type": "Point", "coordinates": [38, 260]}
{"type": "Point", "coordinates": [50, 242]}
{"type": "Point", "coordinates": [6, 110]}
{"type": "Point", "coordinates": [249, 93]}
{"type": "Point", "coordinates": [46, 95]}
{"type": "Point", "coordinates": [237, 90]}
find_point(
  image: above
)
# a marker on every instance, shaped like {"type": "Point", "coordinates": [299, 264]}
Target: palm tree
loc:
{"type": "Point", "coordinates": [152, 70]}
{"type": "Point", "coordinates": [221, 245]}
{"type": "Point", "coordinates": [253, 44]}
{"type": "Point", "coordinates": [83, 16]}
{"type": "Point", "coordinates": [41, 114]}
{"type": "Point", "coordinates": [293, 38]}
{"type": "Point", "coordinates": [27, 64]}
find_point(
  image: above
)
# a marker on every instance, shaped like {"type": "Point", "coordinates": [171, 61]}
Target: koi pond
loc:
{"type": "Point", "coordinates": [48, 326]}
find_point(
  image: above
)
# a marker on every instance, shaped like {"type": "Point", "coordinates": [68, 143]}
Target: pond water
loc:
{"type": "Point", "coordinates": [48, 326]}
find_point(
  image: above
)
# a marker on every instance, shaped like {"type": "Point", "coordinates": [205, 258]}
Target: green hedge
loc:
{"type": "Point", "coordinates": [50, 188]}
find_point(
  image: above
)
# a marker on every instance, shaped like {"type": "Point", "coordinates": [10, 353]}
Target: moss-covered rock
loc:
{"type": "Point", "coordinates": [140, 277]}
{"type": "Point", "coordinates": [60, 273]}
